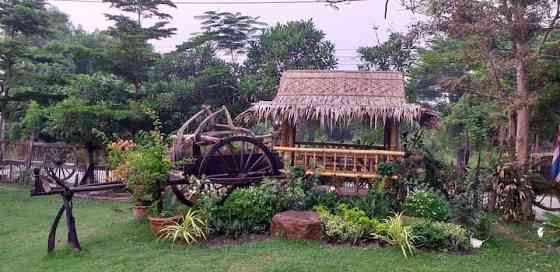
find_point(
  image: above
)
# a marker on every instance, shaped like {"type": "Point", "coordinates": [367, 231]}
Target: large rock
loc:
{"type": "Point", "coordinates": [296, 225]}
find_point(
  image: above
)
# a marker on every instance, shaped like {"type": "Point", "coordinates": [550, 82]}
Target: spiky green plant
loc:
{"type": "Point", "coordinates": [399, 235]}
{"type": "Point", "coordinates": [191, 228]}
{"type": "Point", "coordinates": [553, 225]}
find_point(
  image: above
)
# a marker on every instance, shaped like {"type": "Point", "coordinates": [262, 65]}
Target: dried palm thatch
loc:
{"type": "Point", "coordinates": [338, 98]}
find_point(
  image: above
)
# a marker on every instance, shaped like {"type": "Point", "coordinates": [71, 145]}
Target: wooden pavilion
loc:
{"type": "Point", "coordinates": [337, 99]}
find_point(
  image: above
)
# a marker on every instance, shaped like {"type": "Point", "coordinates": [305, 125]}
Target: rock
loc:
{"type": "Point", "coordinates": [296, 225]}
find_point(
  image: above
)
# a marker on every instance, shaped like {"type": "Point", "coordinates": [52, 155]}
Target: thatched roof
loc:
{"type": "Point", "coordinates": [337, 98]}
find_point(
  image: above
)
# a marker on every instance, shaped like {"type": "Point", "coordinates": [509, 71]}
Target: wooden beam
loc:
{"type": "Point", "coordinates": [339, 151]}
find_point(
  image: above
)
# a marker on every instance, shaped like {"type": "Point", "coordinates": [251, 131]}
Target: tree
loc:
{"type": "Point", "coordinates": [433, 75]}
{"type": "Point", "coordinates": [294, 45]}
{"type": "Point", "coordinates": [185, 63]}
{"type": "Point", "coordinates": [228, 31]}
{"type": "Point", "coordinates": [395, 54]}
{"type": "Point", "coordinates": [20, 21]}
{"type": "Point", "coordinates": [132, 55]}
{"type": "Point", "coordinates": [508, 34]}
{"type": "Point", "coordinates": [97, 109]}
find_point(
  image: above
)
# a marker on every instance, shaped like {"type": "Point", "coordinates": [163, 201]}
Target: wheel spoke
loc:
{"type": "Point", "coordinates": [249, 159]}
{"type": "Point", "coordinates": [256, 162]}
{"type": "Point", "coordinates": [232, 156]}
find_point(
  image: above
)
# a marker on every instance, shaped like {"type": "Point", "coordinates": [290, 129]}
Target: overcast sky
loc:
{"type": "Point", "coordinates": [349, 27]}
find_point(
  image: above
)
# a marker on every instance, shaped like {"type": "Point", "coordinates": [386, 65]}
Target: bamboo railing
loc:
{"type": "Point", "coordinates": [351, 163]}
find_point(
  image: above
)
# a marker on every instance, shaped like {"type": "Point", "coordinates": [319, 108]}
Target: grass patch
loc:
{"type": "Point", "coordinates": [113, 242]}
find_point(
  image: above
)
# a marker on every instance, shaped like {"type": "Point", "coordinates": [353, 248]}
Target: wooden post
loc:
{"type": "Point", "coordinates": [287, 139]}
{"type": "Point", "coordinates": [29, 153]}
{"type": "Point", "coordinates": [391, 135]}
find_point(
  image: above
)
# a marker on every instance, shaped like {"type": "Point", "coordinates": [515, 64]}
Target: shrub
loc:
{"type": "Point", "coordinates": [250, 210]}
{"type": "Point", "coordinates": [428, 236]}
{"type": "Point", "coordinates": [347, 224]}
{"type": "Point", "coordinates": [427, 205]}
{"type": "Point", "coordinates": [437, 235]}
{"type": "Point", "coordinates": [375, 203]}
{"type": "Point", "coordinates": [328, 200]}
{"type": "Point", "coordinates": [484, 227]}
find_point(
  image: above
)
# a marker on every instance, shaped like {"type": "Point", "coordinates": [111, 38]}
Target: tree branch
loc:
{"type": "Point", "coordinates": [550, 27]}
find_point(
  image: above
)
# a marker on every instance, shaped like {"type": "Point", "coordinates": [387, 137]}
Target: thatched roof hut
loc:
{"type": "Point", "coordinates": [338, 98]}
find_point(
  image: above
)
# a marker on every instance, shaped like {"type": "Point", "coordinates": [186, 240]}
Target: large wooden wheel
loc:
{"type": "Point", "coordinates": [231, 163]}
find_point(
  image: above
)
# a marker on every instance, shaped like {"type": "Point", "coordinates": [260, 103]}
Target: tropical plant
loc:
{"type": "Point", "coordinates": [512, 184]}
{"type": "Point", "coordinates": [399, 235]}
{"type": "Point", "coordinates": [191, 229]}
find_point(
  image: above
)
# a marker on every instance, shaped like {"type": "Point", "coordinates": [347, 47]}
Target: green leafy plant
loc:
{"type": "Point", "coordinates": [347, 224]}
{"type": "Point", "coordinates": [553, 225]}
{"type": "Point", "coordinates": [439, 236]}
{"type": "Point", "coordinates": [428, 236]}
{"type": "Point", "coordinates": [377, 203]}
{"type": "Point", "coordinates": [144, 166]}
{"type": "Point", "coordinates": [250, 210]}
{"type": "Point", "coordinates": [427, 205]}
{"type": "Point", "coordinates": [191, 229]}
{"type": "Point", "coordinates": [400, 235]}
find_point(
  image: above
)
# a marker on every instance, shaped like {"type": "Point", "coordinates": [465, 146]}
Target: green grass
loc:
{"type": "Point", "coordinates": [113, 242]}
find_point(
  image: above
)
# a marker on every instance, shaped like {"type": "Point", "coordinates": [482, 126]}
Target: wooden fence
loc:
{"type": "Point", "coordinates": [18, 158]}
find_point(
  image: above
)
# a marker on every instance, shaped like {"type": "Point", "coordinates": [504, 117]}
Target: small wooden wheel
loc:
{"type": "Point", "coordinates": [57, 159]}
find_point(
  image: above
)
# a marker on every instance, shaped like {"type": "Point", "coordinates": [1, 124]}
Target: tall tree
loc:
{"type": "Point", "coordinates": [230, 32]}
{"type": "Point", "coordinates": [20, 21]}
{"type": "Point", "coordinates": [132, 54]}
{"type": "Point", "coordinates": [508, 33]}
{"type": "Point", "coordinates": [293, 45]}
{"type": "Point", "coordinates": [395, 54]}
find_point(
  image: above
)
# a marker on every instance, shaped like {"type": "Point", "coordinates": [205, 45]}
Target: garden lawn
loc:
{"type": "Point", "coordinates": [113, 242]}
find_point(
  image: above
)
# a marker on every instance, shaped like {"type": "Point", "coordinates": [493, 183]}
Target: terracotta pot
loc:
{"type": "Point", "coordinates": [158, 223]}
{"type": "Point", "coordinates": [140, 213]}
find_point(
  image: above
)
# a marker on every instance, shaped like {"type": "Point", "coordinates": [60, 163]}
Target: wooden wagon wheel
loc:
{"type": "Point", "coordinates": [56, 158]}
{"type": "Point", "coordinates": [233, 162]}
{"type": "Point", "coordinates": [549, 201]}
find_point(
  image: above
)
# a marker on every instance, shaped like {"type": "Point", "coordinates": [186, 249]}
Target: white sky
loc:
{"type": "Point", "coordinates": [349, 27]}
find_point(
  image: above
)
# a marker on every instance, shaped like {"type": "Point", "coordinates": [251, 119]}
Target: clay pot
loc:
{"type": "Point", "coordinates": [140, 213]}
{"type": "Point", "coordinates": [158, 223]}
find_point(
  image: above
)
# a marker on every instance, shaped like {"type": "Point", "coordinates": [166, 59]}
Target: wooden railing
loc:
{"type": "Point", "coordinates": [307, 144]}
{"type": "Point", "coordinates": [17, 158]}
{"type": "Point", "coordinates": [352, 163]}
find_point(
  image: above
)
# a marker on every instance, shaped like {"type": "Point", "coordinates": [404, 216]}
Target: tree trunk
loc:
{"type": "Point", "coordinates": [522, 135]}
{"type": "Point", "coordinates": [89, 175]}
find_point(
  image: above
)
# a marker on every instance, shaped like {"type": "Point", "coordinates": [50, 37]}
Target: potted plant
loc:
{"type": "Point", "coordinates": [144, 166]}
{"type": "Point", "coordinates": [163, 213]}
